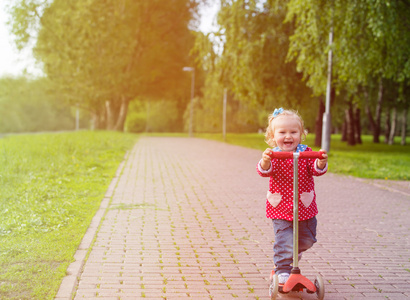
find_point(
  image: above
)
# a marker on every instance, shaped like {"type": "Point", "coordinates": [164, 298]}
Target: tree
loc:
{"type": "Point", "coordinates": [252, 64]}
{"type": "Point", "coordinates": [28, 105]}
{"type": "Point", "coordinates": [370, 45]}
{"type": "Point", "coordinates": [104, 54]}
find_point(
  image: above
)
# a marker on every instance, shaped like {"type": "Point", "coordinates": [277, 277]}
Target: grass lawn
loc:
{"type": "Point", "coordinates": [51, 185]}
{"type": "Point", "coordinates": [368, 160]}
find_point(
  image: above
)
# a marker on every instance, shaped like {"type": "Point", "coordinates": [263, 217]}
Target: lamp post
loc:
{"type": "Point", "coordinates": [326, 116]}
{"type": "Point", "coordinates": [77, 117]}
{"type": "Point", "coordinates": [191, 106]}
{"type": "Point", "coordinates": [224, 114]}
{"type": "Point", "coordinates": [326, 127]}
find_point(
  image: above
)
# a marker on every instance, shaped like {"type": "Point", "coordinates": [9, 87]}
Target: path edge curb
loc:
{"type": "Point", "coordinates": [69, 283]}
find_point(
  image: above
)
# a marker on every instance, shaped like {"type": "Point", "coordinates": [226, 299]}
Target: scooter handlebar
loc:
{"type": "Point", "coordinates": [305, 154]}
{"type": "Point", "coordinates": [312, 154]}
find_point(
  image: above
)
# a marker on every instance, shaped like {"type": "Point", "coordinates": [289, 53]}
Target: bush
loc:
{"type": "Point", "coordinates": [152, 116]}
{"type": "Point", "coordinates": [28, 106]}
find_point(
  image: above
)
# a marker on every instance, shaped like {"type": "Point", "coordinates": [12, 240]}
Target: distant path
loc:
{"type": "Point", "coordinates": [398, 186]}
{"type": "Point", "coordinates": [187, 220]}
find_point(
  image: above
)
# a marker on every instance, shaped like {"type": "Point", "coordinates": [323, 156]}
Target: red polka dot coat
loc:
{"type": "Point", "coordinates": [279, 200]}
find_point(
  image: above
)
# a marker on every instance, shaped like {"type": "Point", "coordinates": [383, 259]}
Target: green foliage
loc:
{"type": "Point", "coordinates": [29, 105]}
{"type": "Point", "coordinates": [267, 53]}
{"type": "Point", "coordinates": [252, 66]}
{"type": "Point", "coordinates": [368, 160]}
{"type": "Point", "coordinates": [136, 117]}
{"type": "Point", "coordinates": [370, 37]}
{"type": "Point", "coordinates": [275, 53]}
{"type": "Point", "coordinates": [254, 58]}
{"type": "Point", "coordinates": [50, 188]}
{"type": "Point", "coordinates": [158, 116]}
{"type": "Point", "coordinates": [103, 54]}
{"type": "Point", "coordinates": [208, 110]}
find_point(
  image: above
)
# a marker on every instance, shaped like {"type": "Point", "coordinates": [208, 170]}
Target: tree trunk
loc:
{"type": "Point", "coordinates": [147, 125]}
{"type": "Point", "coordinates": [393, 127]}
{"type": "Point", "coordinates": [404, 127]}
{"type": "Point", "coordinates": [367, 108]}
{"type": "Point", "coordinates": [350, 126]}
{"type": "Point", "coordinates": [375, 122]}
{"type": "Point", "coordinates": [376, 132]}
{"type": "Point", "coordinates": [344, 130]}
{"type": "Point", "coordinates": [122, 115]}
{"type": "Point", "coordinates": [110, 115]}
{"type": "Point", "coordinates": [95, 120]}
{"type": "Point", "coordinates": [387, 126]}
{"type": "Point", "coordinates": [319, 123]}
{"type": "Point", "coordinates": [98, 118]}
{"type": "Point", "coordinates": [357, 126]}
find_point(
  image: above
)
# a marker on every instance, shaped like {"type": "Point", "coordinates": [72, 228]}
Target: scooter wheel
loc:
{"type": "Point", "coordinates": [274, 286]}
{"type": "Point", "coordinates": [320, 287]}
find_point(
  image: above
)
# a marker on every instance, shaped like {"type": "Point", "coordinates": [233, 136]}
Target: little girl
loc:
{"type": "Point", "coordinates": [284, 133]}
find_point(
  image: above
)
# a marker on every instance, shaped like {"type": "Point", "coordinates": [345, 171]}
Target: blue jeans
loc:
{"type": "Point", "coordinates": [283, 246]}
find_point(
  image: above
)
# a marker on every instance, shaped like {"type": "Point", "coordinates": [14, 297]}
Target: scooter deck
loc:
{"type": "Point", "coordinates": [298, 282]}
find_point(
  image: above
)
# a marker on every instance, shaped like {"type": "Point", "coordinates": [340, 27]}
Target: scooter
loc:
{"type": "Point", "coordinates": [296, 282]}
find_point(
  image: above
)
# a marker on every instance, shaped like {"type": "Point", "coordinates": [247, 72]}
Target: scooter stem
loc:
{"type": "Point", "coordinates": [295, 214]}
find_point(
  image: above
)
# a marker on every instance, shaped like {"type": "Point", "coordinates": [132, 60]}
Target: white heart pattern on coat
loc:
{"type": "Point", "coordinates": [307, 198]}
{"type": "Point", "coordinates": [274, 199]}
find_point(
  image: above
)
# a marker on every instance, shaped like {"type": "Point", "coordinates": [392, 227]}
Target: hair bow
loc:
{"type": "Point", "coordinates": [277, 112]}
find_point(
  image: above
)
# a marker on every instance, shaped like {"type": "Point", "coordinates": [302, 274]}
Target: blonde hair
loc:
{"type": "Point", "coordinates": [269, 134]}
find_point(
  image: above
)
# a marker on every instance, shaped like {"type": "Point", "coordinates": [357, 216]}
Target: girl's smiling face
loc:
{"type": "Point", "coordinates": [287, 132]}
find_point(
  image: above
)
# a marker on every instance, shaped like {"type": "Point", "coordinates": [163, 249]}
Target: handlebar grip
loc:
{"type": "Point", "coordinates": [281, 155]}
{"type": "Point", "coordinates": [311, 154]}
{"type": "Point", "coordinates": [306, 154]}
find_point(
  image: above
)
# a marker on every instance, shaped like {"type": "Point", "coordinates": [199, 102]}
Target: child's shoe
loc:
{"type": "Point", "coordinates": [283, 277]}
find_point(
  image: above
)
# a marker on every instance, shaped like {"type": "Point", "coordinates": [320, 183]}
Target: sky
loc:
{"type": "Point", "coordinates": [14, 62]}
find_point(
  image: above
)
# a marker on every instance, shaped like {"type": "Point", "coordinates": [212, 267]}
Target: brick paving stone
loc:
{"type": "Point", "coordinates": [186, 220]}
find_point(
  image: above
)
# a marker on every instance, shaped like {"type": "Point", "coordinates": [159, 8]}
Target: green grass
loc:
{"type": "Point", "coordinates": [51, 185]}
{"type": "Point", "coordinates": [368, 160]}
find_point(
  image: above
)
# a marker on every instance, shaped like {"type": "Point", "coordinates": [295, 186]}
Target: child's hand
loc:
{"type": "Point", "coordinates": [266, 159]}
{"type": "Point", "coordinates": [321, 163]}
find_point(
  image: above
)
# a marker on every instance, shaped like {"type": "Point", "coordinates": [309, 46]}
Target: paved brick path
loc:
{"type": "Point", "coordinates": [187, 220]}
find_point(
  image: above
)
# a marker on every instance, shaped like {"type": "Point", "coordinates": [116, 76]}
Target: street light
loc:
{"type": "Point", "coordinates": [224, 113]}
{"type": "Point", "coordinates": [77, 117]}
{"type": "Point", "coordinates": [191, 108]}
{"type": "Point", "coordinates": [326, 124]}
{"type": "Point", "coordinates": [326, 127]}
